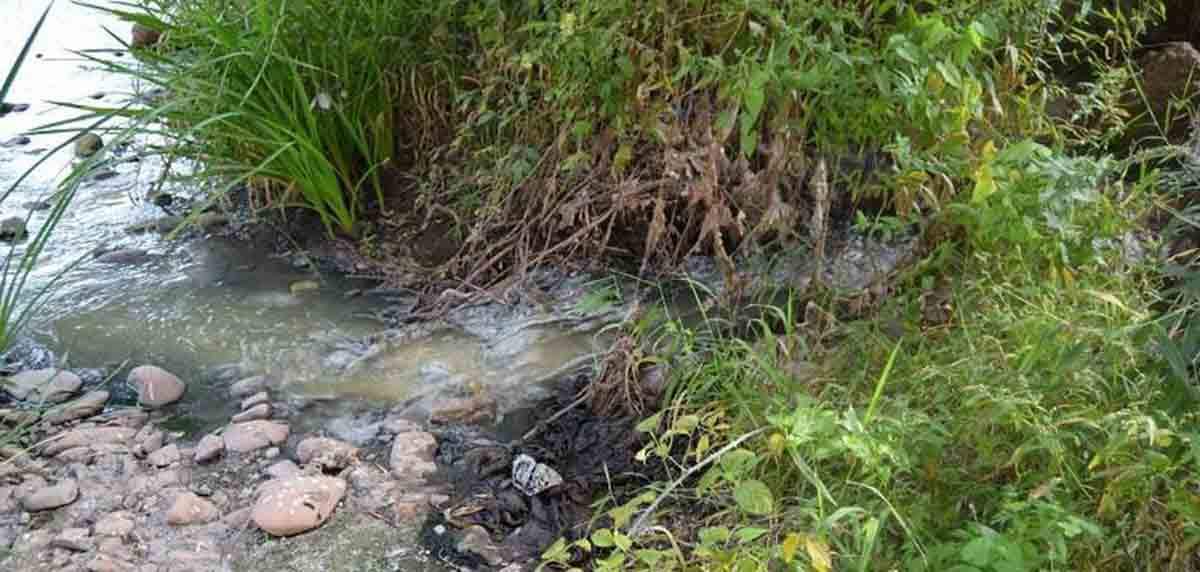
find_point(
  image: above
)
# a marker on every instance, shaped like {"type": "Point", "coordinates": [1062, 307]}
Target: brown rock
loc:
{"type": "Point", "coordinates": [149, 442]}
{"type": "Point", "coordinates": [328, 454]}
{"type": "Point", "coordinates": [1169, 73]}
{"type": "Point", "coordinates": [396, 426]}
{"type": "Point", "coordinates": [190, 509]}
{"type": "Point", "coordinates": [155, 386]}
{"type": "Point", "coordinates": [52, 497]}
{"type": "Point", "coordinates": [132, 418]}
{"type": "Point", "coordinates": [297, 505]}
{"type": "Point", "coordinates": [260, 411]}
{"type": "Point", "coordinates": [86, 437]}
{"type": "Point", "coordinates": [463, 411]}
{"type": "Point", "coordinates": [209, 448]}
{"type": "Point", "coordinates": [142, 36]}
{"type": "Point", "coordinates": [165, 456]}
{"type": "Point", "coordinates": [106, 563]}
{"type": "Point", "coordinates": [49, 385]}
{"type": "Point", "coordinates": [254, 435]}
{"type": "Point", "coordinates": [90, 404]}
{"type": "Point", "coordinates": [256, 399]}
{"type": "Point", "coordinates": [283, 469]}
{"type": "Point", "coordinates": [412, 455]}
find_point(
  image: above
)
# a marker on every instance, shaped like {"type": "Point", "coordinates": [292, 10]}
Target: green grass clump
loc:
{"type": "Point", "coordinates": [1035, 430]}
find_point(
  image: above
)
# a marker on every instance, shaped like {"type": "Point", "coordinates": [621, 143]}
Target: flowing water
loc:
{"type": "Point", "coordinates": [209, 308]}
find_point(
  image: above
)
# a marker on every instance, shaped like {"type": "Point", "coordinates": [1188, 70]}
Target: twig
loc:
{"type": "Point", "coordinates": [640, 523]}
{"type": "Point", "coordinates": [540, 426]}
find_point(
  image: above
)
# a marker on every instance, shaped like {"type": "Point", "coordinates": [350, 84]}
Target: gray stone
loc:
{"type": "Point", "coordinates": [165, 456]}
{"type": "Point", "coordinates": [476, 541]}
{"type": "Point", "coordinates": [117, 524]}
{"type": "Point", "coordinates": [283, 469]}
{"type": "Point", "coordinates": [49, 385]}
{"type": "Point", "coordinates": [249, 386]}
{"type": "Point", "coordinates": [17, 141]}
{"type": "Point", "coordinates": [168, 224]}
{"type": "Point", "coordinates": [73, 539]}
{"type": "Point", "coordinates": [86, 437]}
{"type": "Point", "coordinates": [155, 386]}
{"type": "Point", "coordinates": [12, 229]}
{"type": "Point", "coordinates": [256, 399]}
{"type": "Point", "coordinates": [52, 497]}
{"type": "Point", "coordinates": [125, 257]}
{"type": "Point", "coordinates": [149, 440]}
{"type": "Point", "coordinates": [328, 454]}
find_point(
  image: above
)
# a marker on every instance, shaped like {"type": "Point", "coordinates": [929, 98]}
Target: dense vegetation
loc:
{"type": "Point", "coordinates": [1019, 399]}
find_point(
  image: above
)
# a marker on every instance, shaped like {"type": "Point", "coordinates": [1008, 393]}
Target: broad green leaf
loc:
{"type": "Point", "coordinates": [649, 424]}
{"type": "Point", "coordinates": [686, 424]}
{"type": "Point", "coordinates": [714, 536]}
{"type": "Point", "coordinates": [754, 497]}
{"type": "Point", "coordinates": [603, 538]}
{"type": "Point", "coordinates": [750, 534]}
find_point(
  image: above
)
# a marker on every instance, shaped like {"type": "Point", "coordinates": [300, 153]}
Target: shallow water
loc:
{"type": "Point", "coordinates": [201, 306]}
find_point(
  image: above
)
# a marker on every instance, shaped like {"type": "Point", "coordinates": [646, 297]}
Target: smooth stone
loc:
{"type": "Point", "coordinates": [165, 456]}
{"type": "Point", "coordinates": [209, 448]}
{"type": "Point", "coordinates": [90, 404]}
{"type": "Point", "coordinates": [412, 455]}
{"type": "Point", "coordinates": [254, 435]}
{"type": "Point", "coordinates": [476, 540]}
{"type": "Point", "coordinates": [73, 539]}
{"type": "Point", "coordinates": [98, 95]}
{"type": "Point", "coordinates": [88, 145]}
{"type": "Point", "coordinates": [18, 141]}
{"type": "Point", "coordinates": [155, 386]}
{"type": "Point", "coordinates": [124, 256]}
{"type": "Point", "coordinates": [248, 386]}
{"type": "Point", "coordinates": [102, 174]}
{"type": "Point", "coordinates": [89, 437]}
{"type": "Point", "coordinates": [209, 221]}
{"type": "Point", "coordinates": [142, 36]}
{"type": "Point", "coordinates": [189, 509]}
{"type": "Point", "coordinates": [52, 497]}
{"type": "Point", "coordinates": [168, 224]}
{"type": "Point", "coordinates": [283, 469]}
{"type": "Point", "coordinates": [301, 286]}
{"type": "Point", "coordinates": [160, 199]}
{"type": "Point", "coordinates": [256, 413]}
{"type": "Point", "coordinates": [37, 205]}
{"type": "Point", "coordinates": [463, 411]}
{"type": "Point", "coordinates": [50, 385]}
{"type": "Point", "coordinates": [256, 399]}
{"type": "Point", "coordinates": [149, 440]}
{"type": "Point", "coordinates": [299, 504]}
{"type": "Point", "coordinates": [328, 454]}
{"type": "Point", "coordinates": [13, 229]}
{"type": "Point", "coordinates": [117, 524]}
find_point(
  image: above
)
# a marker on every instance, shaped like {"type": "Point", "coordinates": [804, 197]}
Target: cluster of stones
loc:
{"type": "Point", "coordinates": [115, 491]}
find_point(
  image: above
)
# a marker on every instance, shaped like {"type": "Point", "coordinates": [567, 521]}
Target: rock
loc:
{"type": "Point", "coordinates": [117, 524]}
{"type": "Point", "coordinates": [105, 563]}
{"type": "Point", "coordinates": [87, 437]}
{"type": "Point", "coordinates": [13, 229]}
{"type": "Point", "coordinates": [151, 440]}
{"type": "Point", "coordinates": [164, 457]}
{"type": "Point", "coordinates": [37, 205]}
{"type": "Point", "coordinates": [18, 141]}
{"type": "Point", "coordinates": [412, 455]}
{"type": "Point", "coordinates": [142, 36]}
{"type": "Point", "coordinates": [260, 411]}
{"type": "Point", "coordinates": [283, 469]}
{"type": "Point", "coordinates": [132, 418]}
{"type": "Point", "coordinates": [88, 145]}
{"type": "Point", "coordinates": [98, 95]}
{"type": "Point", "coordinates": [168, 224]}
{"type": "Point", "coordinates": [49, 385]}
{"type": "Point", "coordinates": [463, 411]}
{"type": "Point", "coordinates": [73, 539]}
{"type": "Point", "coordinates": [1168, 73]}
{"type": "Point", "coordinates": [248, 386]}
{"type": "Point", "coordinates": [397, 426]}
{"type": "Point", "coordinates": [160, 199]}
{"type": "Point", "coordinates": [476, 541]}
{"type": "Point", "coordinates": [52, 497]}
{"type": "Point", "coordinates": [298, 504]}
{"type": "Point", "coordinates": [6, 108]}
{"type": "Point", "coordinates": [90, 404]}
{"type": "Point", "coordinates": [209, 448]}
{"type": "Point", "coordinates": [301, 286]}
{"type": "Point", "coordinates": [328, 454]}
{"type": "Point", "coordinates": [254, 435]}
{"type": "Point", "coordinates": [191, 509]}
{"type": "Point", "coordinates": [256, 399]}
{"type": "Point", "coordinates": [124, 257]}
{"type": "Point", "coordinates": [102, 174]}
{"type": "Point", "coordinates": [155, 386]}
{"type": "Point", "coordinates": [209, 221]}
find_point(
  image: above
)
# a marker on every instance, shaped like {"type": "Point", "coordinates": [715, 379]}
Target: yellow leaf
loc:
{"type": "Point", "coordinates": [789, 547]}
{"type": "Point", "coordinates": [818, 553]}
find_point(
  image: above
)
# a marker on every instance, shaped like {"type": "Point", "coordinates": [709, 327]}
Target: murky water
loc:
{"type": "Point", "coordinates": [195, 306]}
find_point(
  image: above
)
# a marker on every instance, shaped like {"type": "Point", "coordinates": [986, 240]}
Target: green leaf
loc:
{"type": "Point", "coordinates": [686, 424]}
{"type": "Point", "coordinates": [623, 542]}
{"type": "Point", "coordinates": [978, 552]}
{"type": "Point", "coordinates": [750, 534]}
{"type": "Point", "coordinates": [714, 536]}
{"type": "Point", "coordinates": [754, 497]}
{"type": "Point", "coordinates": [738, 461]}
{"type": "Point", "coordinates": [603, 538]}
{"type": "Point", "coordinates": [649, 424]}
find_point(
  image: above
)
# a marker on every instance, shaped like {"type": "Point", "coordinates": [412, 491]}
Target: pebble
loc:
{"type": "Point", "coordinates": [248, 386]}
{"type": "Point", "coordinates": [165, 456]}
{"type": "Point", "coordinates": [299, 504]}
{"type": "Point", "coordinates": [142, 36]}
{"type": "Point", "coordinates": [18, 141]}
{"type": "Point", "coordinates": [254, 435]}
{"type": "Point", "coordinates": [328, 454]}
{"type": "Point", "coordinates": [256, 399]}
{"type": "Point", "coordinates": [116, 524]}
{"type": "Point", "coordinates": [88, 145]}
{"type": "Point", "coordinates": [87, 437]}
{"type": "Point", "coordinates": [283, 469]}
{"type": "Point", "coordinates": [209, 448]}
{"type": "Point", "coordinates": [191, 509]}
{"type": "Point", "coordinates": [412, 455]}
{"type": "Point", "coordinates": [256, 413]}
{"type": "Point", "coordinates": [52, 497]}
{"type": "Point", "coordinates": [50, 385]}
{"type": "Point", "coordinates": [476, 540]}
{"type": "Point", "coordinates": [13, 229]}
{"type": "Point", "coordinates": [74, 539]}
{"type": "Point", "coordinates": [155, 386]}
{"type": "Point", "coordinates": [90, 404]}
